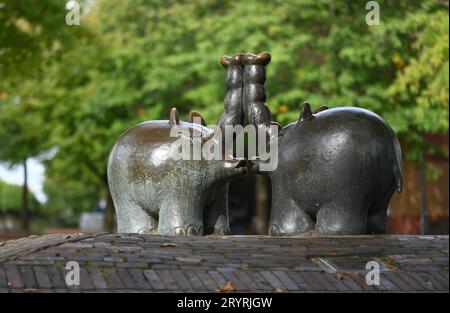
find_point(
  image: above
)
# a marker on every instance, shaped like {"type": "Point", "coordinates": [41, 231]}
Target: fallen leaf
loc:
{"type": "Point", "coordinates": [389, 262]}
{"type": "Point", "coordinates": [226, 288]}
{"type": "Point", "coordinates": [117, 250]}
{"type": "Point", "coordinates": [339, 276]}
{"type": "Point", "coordinates": [29, 290]}
{"type": "Point", "coordinates": [279, 290]}
{"type": "Point", "coordinates": [168, 244]}
{"type": "Point", "coordinates": [391, 266]}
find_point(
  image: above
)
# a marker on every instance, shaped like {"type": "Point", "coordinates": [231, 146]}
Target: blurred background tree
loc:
{"type": "Point", "coordinates": [11, 200]}
{"type": "Point", "coordinates": [75, 89]}
{"type": "Point", "coordinates": [30, 35]}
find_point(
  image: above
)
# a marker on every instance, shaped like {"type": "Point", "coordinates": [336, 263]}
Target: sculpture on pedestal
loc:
{"type": "Point", "coordinates": [337, 168]}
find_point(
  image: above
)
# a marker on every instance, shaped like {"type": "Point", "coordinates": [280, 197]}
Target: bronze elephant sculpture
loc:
{"type": "Point", "coordinates": [338, 169]}
{"type": "Point", "coordinates": [155, 193]}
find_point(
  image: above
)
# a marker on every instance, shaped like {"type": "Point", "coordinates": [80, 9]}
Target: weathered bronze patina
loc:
{"type": "Point", "coordinates": [153, 193]}
{"type": "Point", "coordinates": [337, 171]}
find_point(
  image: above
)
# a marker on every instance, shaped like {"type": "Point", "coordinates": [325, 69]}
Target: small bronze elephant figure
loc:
{"type": "Point", "coordinates": [154, 193]}
{"type": "Point", "coordinates": [337, 171]}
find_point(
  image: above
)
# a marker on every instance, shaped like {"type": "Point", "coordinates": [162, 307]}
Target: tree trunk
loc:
{"type": "Point", "coordinates": [25, 209]}
{"type": "Point", "coordinates": [423, 203]}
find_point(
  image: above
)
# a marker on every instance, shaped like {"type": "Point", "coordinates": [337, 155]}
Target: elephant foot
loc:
{"type": "Point", "coordinates": [148, 231]}
{"type": "Point", "coordinates": [274, 230]}
{"type": "Point", "coordinates": [294, 224]}
{"type": "Point", "coordinates": [188, 231]}
{"type": "Point", "coordinates": [222, 230]}
{"type": "Point", "coordinates": [340, 219]}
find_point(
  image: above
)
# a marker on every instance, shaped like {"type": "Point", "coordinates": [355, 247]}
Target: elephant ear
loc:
{"type": "Point", "coordinates": [195, 117]}
{"type": "Point", "coordinates": [174, 118]}
{"type": "Point", "coordinates": [305, 112]}
{"type": "Point", "coordinates": [320, 109]}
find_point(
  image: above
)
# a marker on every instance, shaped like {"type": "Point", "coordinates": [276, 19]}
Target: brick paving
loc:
{"type": "Point", "coordinates": [130, 263]}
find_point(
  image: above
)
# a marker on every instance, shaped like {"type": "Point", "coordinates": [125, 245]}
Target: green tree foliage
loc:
{"type": "Point", "coordinates": [31, 36]}
{"type": "Point", "coordinates": [27, 30]}
{"type": "Point", "coordinates": [421, 86]}
{"type": "Point", "coordinates": [131, 61]}
{"type": "Point", "coordinates": [11, 199]}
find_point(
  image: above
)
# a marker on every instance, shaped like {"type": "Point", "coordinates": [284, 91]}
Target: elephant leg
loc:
{"type": "Point", "coordinates": [287, 218]}
{"type": "Point", "coordinates": [216, 211]}
{"type": "Point", "coordinates": [377, 220]}
{"type": "Point", "coordinates": [233, 108]}
{"type": "Point", "coordinates": [340, 218]}
{"type": "Point", "coordinates": [254, 98]}
{"type": "Point", "coordinates": [131, 218]}
{"type": "Point", "coordinates": [377, 215]}
{"type": "Point", "coordinates": [254, 95]}
{"type": "Point", "coordinates": [181, 214]}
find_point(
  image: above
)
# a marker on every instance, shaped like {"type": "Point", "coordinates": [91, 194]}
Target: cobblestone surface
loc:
{"type": "Point", "coordinates": [130, 263]}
